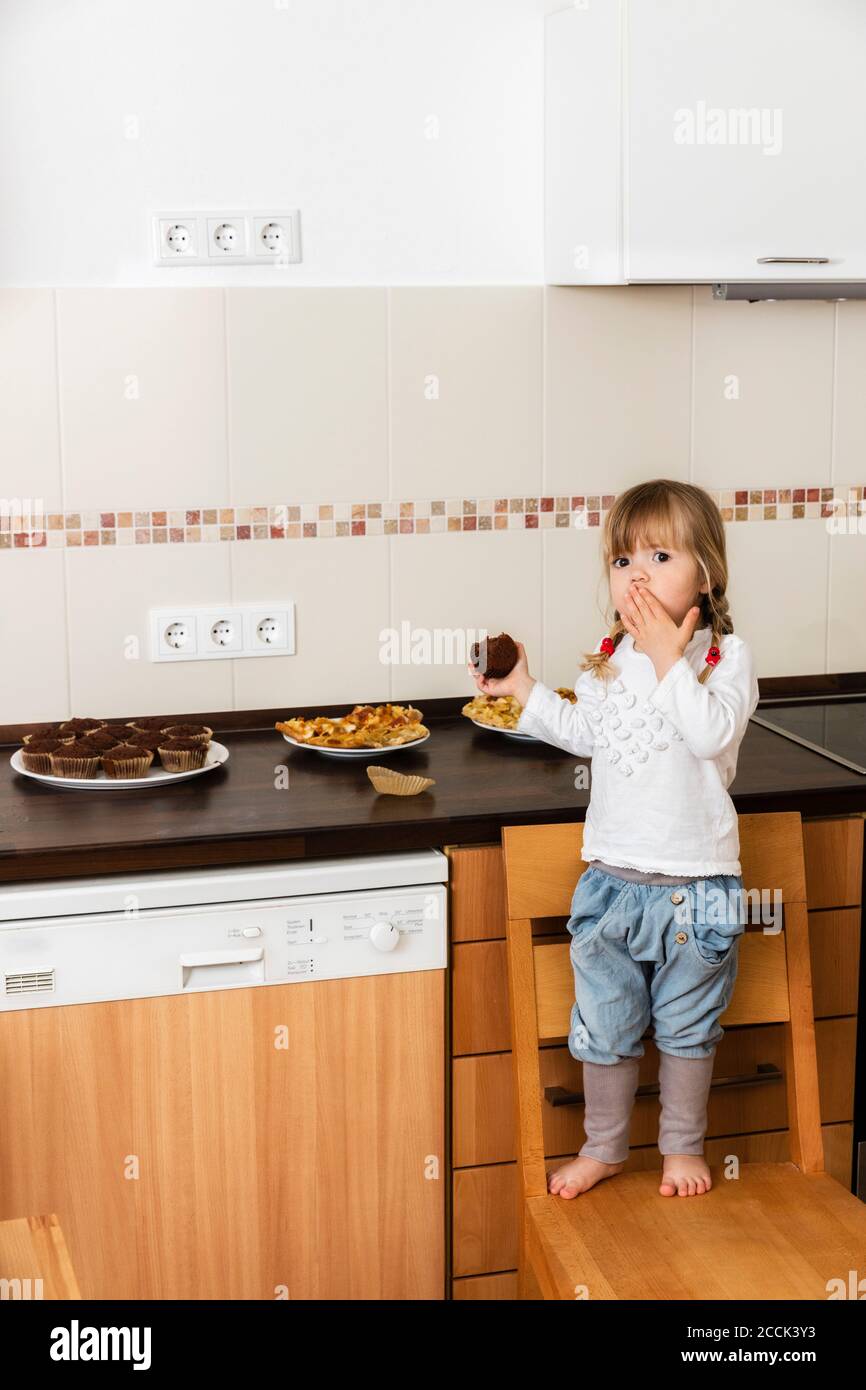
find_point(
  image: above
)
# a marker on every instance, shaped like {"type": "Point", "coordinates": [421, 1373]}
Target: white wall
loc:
{"type": "Point", "coordinates": [323, 105]}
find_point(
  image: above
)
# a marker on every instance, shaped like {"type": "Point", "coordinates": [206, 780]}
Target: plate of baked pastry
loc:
{"type": "Point", "coordinates": [496, 657]}
{"type": "Point", "coordinates": [100, 755]}
{"type": "Point", "coordinates": [499, 714]}
{"type": "Point", "coordinates": [367, 731]}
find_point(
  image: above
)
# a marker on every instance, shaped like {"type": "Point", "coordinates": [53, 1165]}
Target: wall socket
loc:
{"type": "Point", "coordinates": [244, 238]}
{"type": "Point", "coordinates": [214, 633]}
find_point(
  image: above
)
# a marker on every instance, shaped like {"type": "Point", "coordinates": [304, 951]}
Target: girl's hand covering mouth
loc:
{"type": "Point", "coordinates": [652, 626]}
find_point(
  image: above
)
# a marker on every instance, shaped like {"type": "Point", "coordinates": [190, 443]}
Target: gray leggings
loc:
{"type": "Point", "coordinates": [609, 1094]}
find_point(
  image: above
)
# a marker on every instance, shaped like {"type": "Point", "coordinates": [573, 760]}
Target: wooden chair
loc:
{"type": "Point", "coordinates": [778, 1230]}
{"type": "Point", "coordinates": [34, 1259]}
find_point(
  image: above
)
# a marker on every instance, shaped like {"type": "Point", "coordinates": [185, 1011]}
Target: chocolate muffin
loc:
{"type": "Point", "coordinates": [45, 731]}
{"type": "Point", "coordinates": [76, 759]}
{"type": "Point", "coordinates": [150, 741]}
{"type": "Point", "coordinates": [150, 723]}
{"type": "Point", "coordinates": [35, 754]}
{"type": "Point", "coordinates": [101, 739]}
{"type": "Point", "coordinates": [199, 732]}
{"type": "Point", "coordinates": [120, 731]}
{"type": "Point", "coordinates": [126, 761]}
{"type": "Point", "coordinates": [80, 726]}
{"type": "Point", "coordinates": [182, 754]}
{"type": "Point", "coordinates": [498, 655]}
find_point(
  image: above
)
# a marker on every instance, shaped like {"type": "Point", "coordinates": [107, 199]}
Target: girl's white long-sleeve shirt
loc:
{"type": "Point", "coordinates": [664, 753]}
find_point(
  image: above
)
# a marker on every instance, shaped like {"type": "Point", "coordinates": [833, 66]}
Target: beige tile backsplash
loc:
{"type": "Point", "coordinates": [308, 394]}
{"type": "Point", "coordinates": [33, 639]}
{"type": "Point", "coordinates": [29, 428]}
{"type": "Point", "coordinates": [466, 391]}
{"type": "Point", "coordinates": [849, 419]}
{"type": "Point", "coordinates": [142, 397]}
{"type": "Point", "coordinates": [114, 399]}
{"type": "Point", "coordinates": [107, 601]}
{"type": "Point", "coordinates": [778, 593]}
{"type": "Point", "coordinates": [435, 585]}
{"type": "Point", "coordinates": [763, 392]}
{"type": "Point", "coordinates": [340, 591]}
{"type": "Point", "coordinates": [617, 373]}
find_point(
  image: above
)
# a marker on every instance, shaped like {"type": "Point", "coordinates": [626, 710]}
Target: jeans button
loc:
{"type": "Point", "coordinates": [676, 897]}
{"type": "Point", "coordinates": [680, 938]}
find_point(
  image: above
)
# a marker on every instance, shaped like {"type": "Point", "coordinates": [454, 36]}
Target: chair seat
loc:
{"type": "Point", "coordinates": [772, 1233]}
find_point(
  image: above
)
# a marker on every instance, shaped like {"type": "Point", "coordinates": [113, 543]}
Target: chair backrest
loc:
{"type": "Point", "coordinates": [773, 985]}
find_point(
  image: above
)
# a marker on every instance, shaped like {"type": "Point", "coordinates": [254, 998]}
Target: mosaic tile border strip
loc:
{"type": "Point", "coordinates": [320, 520]}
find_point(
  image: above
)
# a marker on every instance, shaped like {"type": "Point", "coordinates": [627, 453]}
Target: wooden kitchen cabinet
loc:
{"type": "Point", "coordinates": [748, 1121]}
{"type": "Point", "coordinates": [271, 1143]}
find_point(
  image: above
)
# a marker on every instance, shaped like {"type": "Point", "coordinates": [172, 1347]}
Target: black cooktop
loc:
{"type": "Point", "coordinates": [832, 725]}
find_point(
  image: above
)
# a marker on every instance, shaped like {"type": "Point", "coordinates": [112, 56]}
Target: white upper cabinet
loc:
{"type": "Point", "coordinates": [706, 140]}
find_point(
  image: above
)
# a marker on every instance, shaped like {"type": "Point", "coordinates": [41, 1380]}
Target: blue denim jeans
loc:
{"type": "Point", "coordinates": [646, 953]}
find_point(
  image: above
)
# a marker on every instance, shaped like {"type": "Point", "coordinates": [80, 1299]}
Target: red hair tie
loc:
{"type": "Point", "coordinates": [607, 646]}
{"type": "Point", "coordinates": [713, 656]}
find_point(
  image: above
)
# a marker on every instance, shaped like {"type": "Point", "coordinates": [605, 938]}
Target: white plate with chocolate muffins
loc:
{"type": "Point", "coordinates": [216, 755]}
{"type": "Point", "coordinates": [98, 755]}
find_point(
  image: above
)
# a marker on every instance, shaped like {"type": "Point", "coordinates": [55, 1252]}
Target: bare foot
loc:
{"type": "Point", "coordinates": [685, 1175]}
{"type": "Point", "coordinates": [579, 1175]}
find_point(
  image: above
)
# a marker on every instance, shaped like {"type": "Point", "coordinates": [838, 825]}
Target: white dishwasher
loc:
{"type": "Point", "coordinates": [126, 936]}
{"type": "Point", "coordinates": [230, 1082]}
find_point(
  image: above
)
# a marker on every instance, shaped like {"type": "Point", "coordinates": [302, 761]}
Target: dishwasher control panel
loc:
{"type": "Point", "coordinates": [266, 941]}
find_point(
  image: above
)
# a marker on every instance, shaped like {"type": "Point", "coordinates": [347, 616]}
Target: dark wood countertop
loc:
{"type": "Point", "coordinates": [241, 813]}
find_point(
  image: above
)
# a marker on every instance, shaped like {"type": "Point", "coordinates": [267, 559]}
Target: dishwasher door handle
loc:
{"type": "Point", "coordinates": [222, 969]}
{"type": "Point", "coordinates": [193, 958]}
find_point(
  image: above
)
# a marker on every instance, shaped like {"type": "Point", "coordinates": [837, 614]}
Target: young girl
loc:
{"type": "Point", "coordinates": [662, 706]}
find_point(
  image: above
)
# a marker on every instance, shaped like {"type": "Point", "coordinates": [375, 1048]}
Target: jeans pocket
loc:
{"type": "Point", "coordinates": [706, 948]}
{"type": "Point", "coordinates": [595, 897]}
{"type": "Point", "coordinates": [717, 922]}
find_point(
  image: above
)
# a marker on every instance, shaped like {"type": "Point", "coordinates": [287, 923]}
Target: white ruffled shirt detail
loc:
{"type": "Point", "coordinates": [663, 754]}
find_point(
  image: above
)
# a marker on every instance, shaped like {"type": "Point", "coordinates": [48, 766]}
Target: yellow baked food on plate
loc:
{"type": "Point", "coordinates": [366, 731]}
{"type": "Point", "coordinates": [500, 713]}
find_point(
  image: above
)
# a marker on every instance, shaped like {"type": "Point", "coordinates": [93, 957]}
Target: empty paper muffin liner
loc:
{"type": "Point", "coordinates": [392, 783]}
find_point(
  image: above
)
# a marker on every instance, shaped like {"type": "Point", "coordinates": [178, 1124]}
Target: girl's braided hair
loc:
{"type": "Point", "coordinates": [687, 519]}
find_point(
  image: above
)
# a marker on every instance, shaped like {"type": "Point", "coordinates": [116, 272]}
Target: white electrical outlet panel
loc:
{"type": "Point", "coordinates": [244, 238]}
{"type": "Point", "coordinates": [217, 632]}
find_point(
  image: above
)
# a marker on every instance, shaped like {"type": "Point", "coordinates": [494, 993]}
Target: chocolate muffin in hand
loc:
{"type": "Point", "coordinates": [498, 655]}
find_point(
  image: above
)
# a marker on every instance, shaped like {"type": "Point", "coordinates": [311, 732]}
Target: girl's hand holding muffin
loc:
{"type": "Point", "coordinates": [518, 682]}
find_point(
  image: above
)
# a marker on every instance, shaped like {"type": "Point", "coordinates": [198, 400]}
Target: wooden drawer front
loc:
{"type": "Point", "coordinates": [479, 998]}
{"type": "Point", "coordinates": [477, 893]}
{"type": "Point", "coordinates": [834, 861]}
{"type": "Point", "coordinates": [484, 1220]}
{"type": "Point", "coordinates": [834, 949]}
{"type": "Point", "coordinates": [484, 1233]}
{"type": "Point", "coordinates": [479, 982]}
{"type": "Point", "coordinates": [485, 1288]}
{"type": "Point", "coordinates": [483, 1096]}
